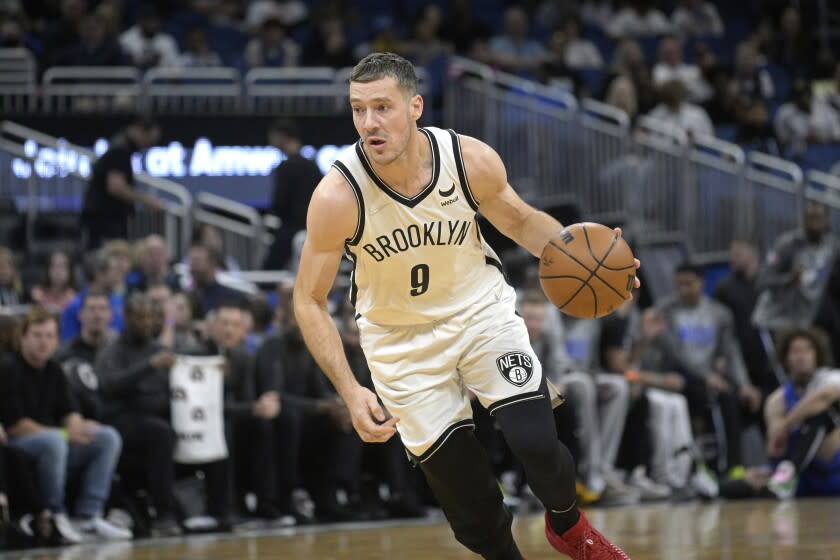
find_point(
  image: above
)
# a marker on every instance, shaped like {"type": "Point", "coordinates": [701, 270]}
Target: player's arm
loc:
{"type": "Point", "coordinates": [331, 220]}
{"type": "Point", "coordinates": [499, 203]}
{"type": "Point", "coordinates": [812, 404]}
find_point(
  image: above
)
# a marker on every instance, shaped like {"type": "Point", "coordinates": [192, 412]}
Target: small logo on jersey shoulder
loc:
{"type": "Point", "coordinates": [448, 193]}
{"type": "Point", "coordinates": [516, 367]}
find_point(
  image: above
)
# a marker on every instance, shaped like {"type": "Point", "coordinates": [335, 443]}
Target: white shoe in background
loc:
{"type": "Point", "coordinates": [65, 529]}
{"type": "Point", "coordinates": [103, 529]}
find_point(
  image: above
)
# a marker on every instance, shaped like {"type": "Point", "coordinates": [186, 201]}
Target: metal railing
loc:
{"type": "Point", "coordinates": [91, 89]}
{"type": "Point", "coordinates": [18, 78]}
{"type": "Point", "coordinates": [656, 180]}
{"type": "Point", "coordinates": [61, 184]}
{"type": "Point", "coordinates": [241, 227]}
{"type": "Point", "coordinates": [179, 90]}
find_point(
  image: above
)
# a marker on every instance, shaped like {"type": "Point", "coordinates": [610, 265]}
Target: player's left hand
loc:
{"type": "Point", "coordinates": [636, 282]}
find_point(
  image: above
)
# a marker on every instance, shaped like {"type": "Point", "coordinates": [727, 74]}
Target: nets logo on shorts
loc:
{"type": "Point", "coordinates": [516, 367]}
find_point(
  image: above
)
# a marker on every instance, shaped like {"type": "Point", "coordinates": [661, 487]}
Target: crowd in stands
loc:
{"type": "Point", "coordinates": [760, 78]}
{"type": "Point", "coordinates": [708, 392]}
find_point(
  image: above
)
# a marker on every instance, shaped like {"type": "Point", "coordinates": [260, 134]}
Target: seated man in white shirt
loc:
{"type": "Point", "coordinates": [580, 53]}
{"type": "Point", "coordinates": [146, 44]}
{"type": "Point", "coordinates": [670, 66]}
{"type": "Point", "coordinates": [677, 112]}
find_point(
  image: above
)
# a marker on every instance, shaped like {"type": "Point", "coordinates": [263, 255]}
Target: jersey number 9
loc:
{"type": "Point", "coordinates": [419, 279]}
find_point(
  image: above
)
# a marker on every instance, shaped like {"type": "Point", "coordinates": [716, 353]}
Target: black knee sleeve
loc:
{"type": "Point", "coordinates": [460, 475]}
{"type": "Point", "coordinates": [530, 432]}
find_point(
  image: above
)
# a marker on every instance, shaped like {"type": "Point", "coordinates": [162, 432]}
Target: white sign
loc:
{"type": "Point", "coordinates": [197, 389]}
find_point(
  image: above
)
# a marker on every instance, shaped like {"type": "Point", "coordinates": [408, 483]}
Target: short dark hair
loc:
{"type": "Point", "coordinates": [817, 338]}
{"type": "Point", "coordinates": [93, 294]}
{"type": "Point", "coordinates": [37, 315]}
{"type": "Point", "coordinates": [689, 268]}
{"type": "Point", "coordinates": [134, 302]}
{"type": "Point", "coordinates": [95, 263]}
{"type": "Point", "coordinates": [144, 121]}
{"type": "Point", "coordinates": [376, 66]}
{"type": "Point", "coordinates": [285, 126]}
{"type": "Point", "coordinates": [213, 255]}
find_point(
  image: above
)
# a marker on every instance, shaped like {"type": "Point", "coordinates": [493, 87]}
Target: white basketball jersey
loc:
{"type": "Point", "coordinates": [420, 259]}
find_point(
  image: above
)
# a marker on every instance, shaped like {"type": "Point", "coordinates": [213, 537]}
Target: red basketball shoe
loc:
{"type": "Point", "coordinates": [583, 542]}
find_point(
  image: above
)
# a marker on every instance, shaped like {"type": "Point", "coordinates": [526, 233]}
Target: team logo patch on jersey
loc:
{"type": "Point", "coordinates": [516, 367]}
{"type": "Point", "coordinates": [450, 192]}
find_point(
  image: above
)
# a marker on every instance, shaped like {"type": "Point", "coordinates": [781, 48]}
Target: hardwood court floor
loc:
{"type": "Point", "coordinates": [803, 530]}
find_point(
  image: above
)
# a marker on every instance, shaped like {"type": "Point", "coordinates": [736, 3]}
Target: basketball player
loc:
{"type": "Point", "coordinates": [435, 315]}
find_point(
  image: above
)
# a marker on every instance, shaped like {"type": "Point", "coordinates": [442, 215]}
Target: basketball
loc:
{"type": "Point", "coordinates": [587, 271]}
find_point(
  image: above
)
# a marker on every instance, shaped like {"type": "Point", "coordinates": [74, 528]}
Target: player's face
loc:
{"type": "Point", "coordinates": [801, 360]}
{"type": "Point", "coordinates": [384, 116]}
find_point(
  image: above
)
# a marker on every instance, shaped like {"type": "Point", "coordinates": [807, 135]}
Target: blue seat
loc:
{"type": "Point", "coordinates": [820, 156]}
{"type": "Point", "coordinates": [781, 82]}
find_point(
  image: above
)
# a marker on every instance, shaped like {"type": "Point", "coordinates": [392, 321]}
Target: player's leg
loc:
{"type": "Point", "coordinates": [414, 372]}
{"type": "Point", "coordinates": [461, 477]}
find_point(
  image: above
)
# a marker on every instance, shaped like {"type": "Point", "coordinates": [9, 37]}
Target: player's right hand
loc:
{"type": "Point", "coordinates": [370, 420]}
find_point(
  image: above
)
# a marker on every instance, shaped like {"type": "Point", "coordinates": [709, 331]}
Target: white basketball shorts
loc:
{"type": "Point", "coordinates": [425, 374]}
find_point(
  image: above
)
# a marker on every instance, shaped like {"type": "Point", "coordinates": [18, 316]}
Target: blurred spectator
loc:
{"type": "Point", "coordinates": [211, 237]}
{"type": "Point", "coordinates": [133, 376]}
{"type": "Point", "coordinates": [463, 28]}
{"type": "Point", "coordinates": [621, 93]}
{"type": "Point", "coordinates": [146, 44]}
{"type": "Point", "coordinates": [163, 316]}
{"type": "Point", "coordinates": [832, 96]}
{"type": "Point", "coordinates": [101, 276]}
{"type": "Point", "coordinates": [288, 12]}
{"type": "Point", "coordinates": [57, 288]}
{"type": "Point", "coordinates": [675, 111]}
{"type": "Point", "coordinates": [198, 52]}
{"type": "Point", "coordinates": [795, 272]}
{"type": "Point", "coordinates": [705, 330]}
{"type": "Point", "coordinates": [62, 34]}
{"type": "Point", "coordinates": [223, 13]}
{"type": "Point", "coordinates": [310, 412]}
{"type": "Point", "coordinates": [94, 47]}
{"type": "Point", "coordinates": [629, 60]}
{"type": "Point", "coordinates": [804, 120]}
{"type": "Point", "coordinates": [43, 421]}
{"type": "Point", "coordinates": [79, 354]}
{"type": "Point", "coordinates": [248, 413]}
{"type": "Point", "coordinates": [329, 46]}
{"type": "Point", "coordinates": [580, 53]}
{"type": "Point", "coordinates": [204, 264]}
{"type": "Point", "coordinates": [738, 291]}
{"type": "Point", "coordinates": [119, 252]}
{"type": "Point", "coordinates": [9, 334]}
{"type": "Point", "coordinates": [638, 19]}
{"type": "Point", "coordinates": [11, 288]}
{"type": "Point", "coordinates": [385, 38]}
{"type": "Point", "coordinates": [598, 13]}
{"type": "Point", "coordinates": [554, 70]}
{"type": "Point", "coordinates": [803, 418]}
{"type": "Point", "coordinates": [670, 66]}
{"type": "Point", "coordinates": [698, 18]}
{"type": "Point", "coordinates": [182, 316]}
{"type": "Point", "coordinates": [552, 14]}
{"type": "Point", "coordinates": [426, 43]}
{"type": "Point", "coordinates": [152, 266]}
{"type": "Point", "coordinates": [295, 180]}
{"type": "Point", "coordinates": [754, 90]}
{"type": "Point", "coordinates": [513, 51]}
{"type": "Point", "coordinates": [271, 46]}
{"type": "Point", "coordinates": [792, 47]}
{"type": "Point", "coordinates": [662, 426]}
{"type": "Point", "coordinates": [754, 81]}
{"type": "Point", "coordinates": [111, 194]}
{"type": "Point", "coordinates": [110, 14]}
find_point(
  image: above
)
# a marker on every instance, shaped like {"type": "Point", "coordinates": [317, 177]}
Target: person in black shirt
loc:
{"type": "Point", "coordinates": [78, 356]}
{"type": "Point", "coordinates": [204, 263]}
{"type": "Point", "coordinates": [133, 374]}
{"type": "Point", "coordinates": [111, 193]}
{"type": "Point", "coordinates": [295, 180]}
{"type": "Point", "coordinates": [42, 419]}
{"type": "Point", "coordinates": [739, 292]}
